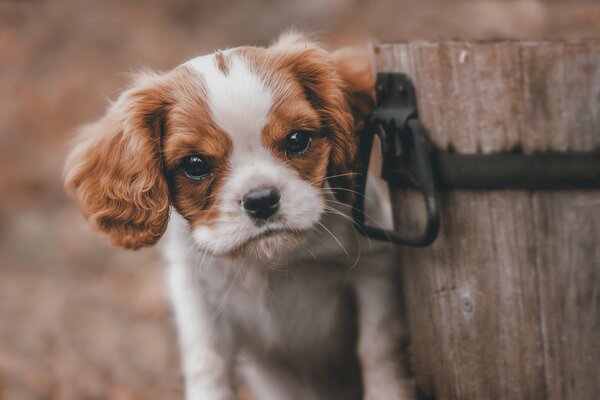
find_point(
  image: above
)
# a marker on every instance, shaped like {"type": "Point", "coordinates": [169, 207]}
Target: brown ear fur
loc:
{"type": "Point", "coordinates": [353, 65]}
{"type": "Point", "coordinates": [340, 86]}
{"type": "Point", "coordinates": [115, 167]}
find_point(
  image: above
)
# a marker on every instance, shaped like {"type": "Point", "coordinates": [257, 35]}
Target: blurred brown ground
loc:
{"type": "Point", "coordinates": [79, 319]}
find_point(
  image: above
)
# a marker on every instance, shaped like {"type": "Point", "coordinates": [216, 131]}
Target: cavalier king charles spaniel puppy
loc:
{"type": "Point", "coordinates": [242, 161]}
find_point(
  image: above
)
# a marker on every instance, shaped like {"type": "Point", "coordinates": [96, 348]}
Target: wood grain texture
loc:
{"type": "Point", "coordinates": [505, 304]}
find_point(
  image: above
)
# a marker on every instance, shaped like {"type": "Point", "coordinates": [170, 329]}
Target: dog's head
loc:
{"type": "Point", "coordinates": [240, 142]}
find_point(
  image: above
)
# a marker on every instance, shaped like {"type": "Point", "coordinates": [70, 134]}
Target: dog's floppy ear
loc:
{"type": "Point", "coordinates": [115, 167]}
{"type": "Point", "coordinates": [354, 69]}
{"type": "Point", "coordinates": [354, 66]}
{"type": "Point", "coordinates": [340, 87]}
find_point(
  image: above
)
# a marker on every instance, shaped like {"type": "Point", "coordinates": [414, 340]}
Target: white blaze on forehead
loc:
{"type": "Point", "coordinates": [239, 100]}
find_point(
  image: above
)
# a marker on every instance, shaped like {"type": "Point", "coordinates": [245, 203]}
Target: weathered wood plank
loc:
{"type": "Point", "coordinates": [487, 97]}
{"type": "Point", "coordinates": [505, 305]}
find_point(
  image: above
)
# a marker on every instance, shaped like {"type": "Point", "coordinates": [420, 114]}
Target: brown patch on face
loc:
{"type": "Point", "coordinates": [222, 62]}
{"type": "Point", "coordinates": [191, 131]}
{"type": "Point", "coordinates": [293, 113]}
{"type": "Point", "coordinates": [125, 167]}
{"type": "Point", "coordinates": [306, 84]}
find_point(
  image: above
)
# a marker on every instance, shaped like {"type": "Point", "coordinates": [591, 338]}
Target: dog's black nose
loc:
{"type": "Point", "coordinates": [261, 203]}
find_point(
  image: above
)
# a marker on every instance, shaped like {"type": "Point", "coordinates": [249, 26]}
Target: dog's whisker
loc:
{"type": "Point", "coordinates": [221, 304]}
{"type": "Point", "coordinates": [265, 285]}
{"type": "Point", "coordinates": [348, 220]}
{"type": "Point", "coordinates": [334, 176]}
{"type": "Point", "coordinates": [333, 189]}
{"type": "Point", "coordinates": [241, 271]}
{"type": "Point", "coordinates": [199, 264]}
{"type": "Point", "coordinates": [367, 216]}
{"type": "Point", "coordinates": [335, 238]}
{"type": "Point", "coordinates": [308, 251]}
{"type": "Point", "coordinates": [316, 237]}
{"type": "Point", "coordinates": [351, 222]}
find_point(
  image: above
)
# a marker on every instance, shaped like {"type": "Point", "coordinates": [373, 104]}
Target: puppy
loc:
{"type": "Point", "coordinates": [244, 161]}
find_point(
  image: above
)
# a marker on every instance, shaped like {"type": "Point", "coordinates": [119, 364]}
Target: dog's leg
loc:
{"type": "Point", "coordinates": [381, 334]}
{"type": "Point", "coordinates": [265, 382]}
{"type": "Point", "coordinates": [205, 346]}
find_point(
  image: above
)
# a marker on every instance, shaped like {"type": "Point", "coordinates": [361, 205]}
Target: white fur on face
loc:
{"type": "Point", "coordinates": [240, 104]}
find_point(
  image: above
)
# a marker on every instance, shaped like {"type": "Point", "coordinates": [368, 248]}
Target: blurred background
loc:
{"type": "Point", "coordinates": [82, 320]}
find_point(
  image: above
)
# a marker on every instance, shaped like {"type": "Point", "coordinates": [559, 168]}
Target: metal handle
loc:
{"type": "Point", "coordinates": [426, 183]}
{"type": "Point", "coordinates": [397, 124]}
{"type": "Point", "coordinates": [396, 119]}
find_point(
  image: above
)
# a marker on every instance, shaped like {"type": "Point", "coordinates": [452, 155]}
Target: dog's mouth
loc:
{"type": "Point", "coordinates": [269, 233]}
{"type": "Point", "coordinates": [270, 240]}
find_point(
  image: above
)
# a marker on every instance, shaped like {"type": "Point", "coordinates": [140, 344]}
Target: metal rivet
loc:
{"type": "Point", "coordinates": [466, 305]}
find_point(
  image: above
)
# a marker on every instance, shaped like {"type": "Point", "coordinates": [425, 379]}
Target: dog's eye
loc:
{"type": "Point", "coordinates": [195, 167]}
{"type": "Point", "coordinates": [297, 143]}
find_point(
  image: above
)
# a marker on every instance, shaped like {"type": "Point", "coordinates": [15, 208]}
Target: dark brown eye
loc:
{"type": "Point", "coordinates": [195, 167]}
{"type": "Point", "coordinates": [297, 143]}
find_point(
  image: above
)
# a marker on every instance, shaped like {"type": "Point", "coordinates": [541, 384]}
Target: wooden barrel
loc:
{"type": "Point", "coordinates": [506, 303]}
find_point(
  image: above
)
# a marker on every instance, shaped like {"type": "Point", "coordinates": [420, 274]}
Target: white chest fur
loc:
{"type": "Point", "coordinates": [295, 323]}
